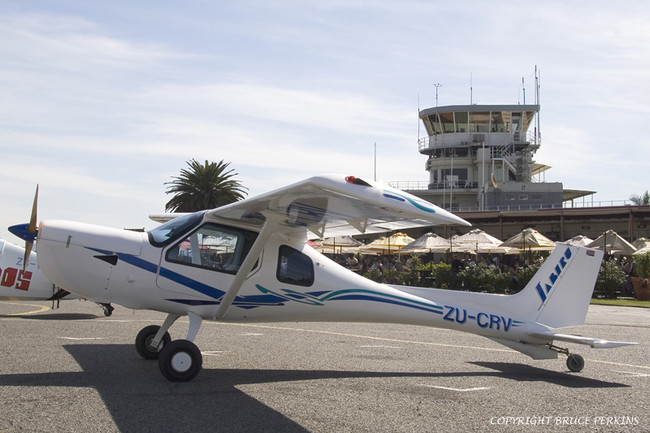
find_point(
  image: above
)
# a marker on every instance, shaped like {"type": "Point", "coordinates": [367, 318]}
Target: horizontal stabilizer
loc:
{"type": "Point", "coordinates": [535, 351]}
{"type": "Point", "coordinates": [596, 343]}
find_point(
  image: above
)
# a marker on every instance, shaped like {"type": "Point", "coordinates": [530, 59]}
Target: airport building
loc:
{"type": "Point", "coordinates": [480, 165]}
{"type": "Point", "coordinates": [480, 157]}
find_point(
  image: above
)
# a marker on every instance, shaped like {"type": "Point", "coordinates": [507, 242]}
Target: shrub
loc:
{"type": "Point", "coordinates": [484, 278]}
{"type": "Point", "coordinates": [610, 278]}
{"type": "Point", "coordinates": [642, 267]}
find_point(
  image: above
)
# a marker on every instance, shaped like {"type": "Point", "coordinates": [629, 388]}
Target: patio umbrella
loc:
{"type": "Point", "coordinates": [480, 242]}
{"type": "Point", "coordinates": [612, 243]}
{"type": "Point", "coordinates": [641, 251]}
{"type": "Point", "coordinates": [580, 241]}
{"type": "Point", "coordinates": [387, 245]}
{"type": "Point", "coordinates": [341, 244]}
{"type": "Point", "coordinates": [530, 239]}
{"type": "Point", "coordinates": [428, 243]}
{"type": "Point", "coordinates": [641, 243]}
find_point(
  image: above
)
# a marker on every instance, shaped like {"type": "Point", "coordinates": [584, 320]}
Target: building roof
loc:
{"type": "Point", "coordinates": [477, 108]}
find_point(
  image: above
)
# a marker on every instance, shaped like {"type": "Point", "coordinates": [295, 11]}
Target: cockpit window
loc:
{"type": "Point", "coordinates": [167, 232]}
{"type": "Point", "coordinates": [294, 267]}
{"type": "Point", "coordinates": [215, 247]}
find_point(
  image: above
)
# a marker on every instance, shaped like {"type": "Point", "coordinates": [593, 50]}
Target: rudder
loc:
{"type": "Point", "coordinates": [558, 295]}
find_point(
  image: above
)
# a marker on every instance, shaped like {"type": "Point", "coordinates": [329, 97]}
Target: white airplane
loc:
{"type": "Point", "coordinates": [249, 262]}
{"type": "Point", "coordinates": [21, 283]}
{"type": "Point", "coordinates": [27, 283]}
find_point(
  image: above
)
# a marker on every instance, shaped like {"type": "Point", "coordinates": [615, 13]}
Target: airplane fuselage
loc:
{"type": "Point", "coordinates": [290, 281]}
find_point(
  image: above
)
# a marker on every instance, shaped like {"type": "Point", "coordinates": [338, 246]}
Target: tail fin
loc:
{"type": "Point", "coordinates": [558, 295]}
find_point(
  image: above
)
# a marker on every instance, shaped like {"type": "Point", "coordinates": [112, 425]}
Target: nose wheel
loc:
{"type": "Point", "coordinates": [145, 339]}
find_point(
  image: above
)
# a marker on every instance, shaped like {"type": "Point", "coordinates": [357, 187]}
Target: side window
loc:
{"type": "Point", "coordinates": [294, 267]}
{"type": "Point", "coordinates": [215, 247]}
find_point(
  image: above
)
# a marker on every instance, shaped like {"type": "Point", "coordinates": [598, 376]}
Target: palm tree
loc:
{"type": "Point", "coordinates": [640, 199]}
{"type": "Point", "coordinates": [203, 186]}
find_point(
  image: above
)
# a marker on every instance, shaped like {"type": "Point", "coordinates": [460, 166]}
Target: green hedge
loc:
{"type": "Point", "coordinates": [484, 278]}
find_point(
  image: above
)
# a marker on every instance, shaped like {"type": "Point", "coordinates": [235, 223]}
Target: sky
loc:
{"type": "Point", "coordinates": [102, 103]}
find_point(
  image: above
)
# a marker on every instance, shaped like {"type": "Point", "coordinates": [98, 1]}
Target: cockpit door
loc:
{"type": "Point", "coordinates": [202, 265]}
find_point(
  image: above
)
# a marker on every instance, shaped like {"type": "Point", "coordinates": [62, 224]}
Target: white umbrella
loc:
{"type": "Point", "coordinates": [579, 241]}
{"type": "Point", "coordinates": [480, 242]}
{"type": "Point", "coordinates": [530, 239]}
{"type": "Point", "coordinates": [428, 243]}
{"type": "Point", "coordinates": [644, 250]}
{"type": "Point", "coordinates": [342, 244]}
{"type": "Point", "coordinates": [612, 243]}
{"type": "Point", "coordinates": [641, 243]}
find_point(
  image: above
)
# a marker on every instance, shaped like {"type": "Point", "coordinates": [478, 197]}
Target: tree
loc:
{"type": "Point", "coordinates": [640, 199]}
{"type": "Point", "coordinates": [203, 186]}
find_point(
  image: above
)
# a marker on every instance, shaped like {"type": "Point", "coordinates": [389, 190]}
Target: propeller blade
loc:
{"type": "Point", "coordinates": [32, 220]}
{"type": "Point", "coordinates": [27, 232]}
{"type": "Point", "coordinates": [28, 251]}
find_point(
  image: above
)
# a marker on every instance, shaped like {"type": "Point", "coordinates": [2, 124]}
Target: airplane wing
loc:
{"type": "Point", "coordinates": [334, 205]}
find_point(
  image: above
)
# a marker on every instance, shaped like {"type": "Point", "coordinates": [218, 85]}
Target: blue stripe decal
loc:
{"type": "Point", "coordinates": [193, 302]}
{"type": "Point", "coordinates": [166, 273]}
{"type": "Point", "coordinates": [192, 284]}
{"type": "Point", "coordinates": [319, 298]}
{"type": "Point", "coordinates": [387, 301]}
{"type": "Point", "coordinates": [394, 197]}
{"type": "Point", "coordinates": [401, 197]}
{"type": "Point", "coordinates": [138, 262]}
{"type": "Point", "coordinates": [130, 259]}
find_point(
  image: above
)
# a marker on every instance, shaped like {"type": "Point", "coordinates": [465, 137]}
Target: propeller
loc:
{"type": "Point", "coordinates": [27, 232]}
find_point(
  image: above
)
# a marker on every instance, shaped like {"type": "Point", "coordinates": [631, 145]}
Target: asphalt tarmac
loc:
{"type": "Point", "coordinates": [74, 370]}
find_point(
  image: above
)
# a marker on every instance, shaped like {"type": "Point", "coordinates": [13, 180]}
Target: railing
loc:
{"type": "Point", "coordinates": [411, 185]}
{"type": "Point", "coordinates": [529, 207]}
{"type": "Point", "coordinates": [585, 202]}
{"type": "Point", "coordinates": [597, 203]}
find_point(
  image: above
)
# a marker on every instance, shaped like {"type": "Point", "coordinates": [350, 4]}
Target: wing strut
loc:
{"type": "Point", "coordinates": [247, 266]}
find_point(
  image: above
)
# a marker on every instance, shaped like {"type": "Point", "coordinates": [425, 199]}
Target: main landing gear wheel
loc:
{"type": "Point", "coordinates": [575, 362]}
{"type": "Point", "coordinates": [180, 361]}
{"type": "Point", "coordinates": [143, 342]}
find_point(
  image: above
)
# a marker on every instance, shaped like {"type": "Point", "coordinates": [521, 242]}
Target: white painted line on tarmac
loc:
{"type": "Point", "coordinates": [631, 373]}
{"type": "Point", "coordinates": [619, 364]}
{"type": "Point", "coordinates": [378, 346]}
{"type": "Point", "coordinates": [480, 388]}
{"type": "Point", "coordinates": [213, 352]}
{"type": "Point", "coordinates": [82, 338]}
{"type": "Point", "coordinates": [367, 337]}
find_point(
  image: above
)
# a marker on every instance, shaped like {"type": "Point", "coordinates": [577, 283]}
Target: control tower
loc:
{"type": "Point", "coordinates": [480, 157]}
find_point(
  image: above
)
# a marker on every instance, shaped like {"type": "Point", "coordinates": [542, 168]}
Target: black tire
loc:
{"type": "Point", "coordinates": [180, 361]}
{"type": "Point", "coordinates": [575, 363]}
{"type": "Point", "coordinates": [143, 342]}
{"type": "Point", "coordinates": [108, 310]}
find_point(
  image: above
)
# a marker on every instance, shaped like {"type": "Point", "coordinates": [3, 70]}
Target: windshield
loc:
{"type": "Point", "coordinates": [173, 229]}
